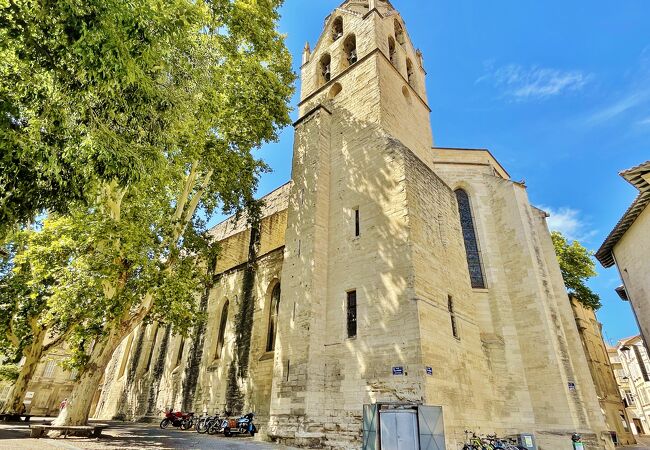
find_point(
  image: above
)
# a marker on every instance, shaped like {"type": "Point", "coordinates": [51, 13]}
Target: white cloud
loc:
{"type": "Point", "coordinates": [631, 101]}
{"type": "Point", "coordinates": [534, 83]}
{"type": "Point", "coordinates": [625, 104]}
{"type": "Point", "coordinates": [570, 222]}
{"type": "Point", "coordinates": [644, 122]}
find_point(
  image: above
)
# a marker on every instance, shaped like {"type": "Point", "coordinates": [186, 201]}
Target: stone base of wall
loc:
{"type": "Point", "coordinates": [562, 441]}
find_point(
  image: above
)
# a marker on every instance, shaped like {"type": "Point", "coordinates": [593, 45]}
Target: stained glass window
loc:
{"type": "Point", "coordinates": [471, 244]}
{"type": "Point", "coordinates": [221, 337]}
{"type": "Point", "coordinates": [273, 318]}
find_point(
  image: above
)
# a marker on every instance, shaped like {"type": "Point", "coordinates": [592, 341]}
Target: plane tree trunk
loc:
{"type": "Point", "coordinates": [32, 354]}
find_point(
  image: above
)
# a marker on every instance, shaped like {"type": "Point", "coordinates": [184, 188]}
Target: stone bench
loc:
{"type": "Point", "coordinates": [94, 431]}
{"type": "Point", "coordinates": [15, 417]}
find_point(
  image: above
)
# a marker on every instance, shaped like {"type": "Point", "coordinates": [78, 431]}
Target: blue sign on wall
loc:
{"type": "Point", "coordinates": [429, 371]}
{"type": "Point", "coordinates": [398, 370]}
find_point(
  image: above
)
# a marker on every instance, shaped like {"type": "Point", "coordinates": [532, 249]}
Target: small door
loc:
{"type": "Point", "coordinates": [639, 427]}
{"type": "Point", "coordinates": [399, 430]}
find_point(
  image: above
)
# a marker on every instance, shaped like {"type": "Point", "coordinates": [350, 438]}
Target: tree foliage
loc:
{"type": "Point", "coordinates": [25, 334]}
{"type": "Point", "coordinates": [106, 90]}
{"type": "Point", "coordinates": [131, 123]}
{"type": "Point", "coordinates": [577, 266]}
{"type": "Point", "coordinates": [9, 372]}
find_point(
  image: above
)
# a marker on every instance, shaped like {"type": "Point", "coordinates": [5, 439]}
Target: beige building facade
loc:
{"type": "Point", "coordinates": [50, 385]}
{"type": "Point", "coordinates": [386, 271]}
{"type": "Point", "coordinates": [609, 394]}
{"type": "Point", "coordinates": [628, 247]}
{"type": "Point", "coordinates": [632, 368]}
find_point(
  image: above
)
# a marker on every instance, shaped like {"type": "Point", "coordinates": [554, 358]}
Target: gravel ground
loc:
{"type": "Point", "coordinates": [127, 436]}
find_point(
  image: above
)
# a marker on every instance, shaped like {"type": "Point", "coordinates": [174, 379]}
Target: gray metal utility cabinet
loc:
{"type": "Point", "coordinates": [400, 426]}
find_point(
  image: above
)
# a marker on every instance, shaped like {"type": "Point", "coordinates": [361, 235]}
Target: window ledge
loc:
{"type": "Point", "coordinates": [267, 356]}
{"type": "Point", "coordinates": [485, 290]}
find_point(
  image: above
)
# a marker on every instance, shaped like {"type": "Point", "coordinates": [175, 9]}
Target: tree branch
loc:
{"type": "Point", "coordinates": [11, 336]}
{"type": "Point", "coordinates": [195, 202]}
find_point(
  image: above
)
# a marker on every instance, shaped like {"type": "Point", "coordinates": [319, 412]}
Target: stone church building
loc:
{"type": "Point", "coordinates": [387, 270]}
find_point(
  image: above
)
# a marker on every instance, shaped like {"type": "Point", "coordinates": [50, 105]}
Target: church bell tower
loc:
{"type": "Point", "coordinates": [365, 63]}
{"type": "Point", "coordinates": [346, 295]}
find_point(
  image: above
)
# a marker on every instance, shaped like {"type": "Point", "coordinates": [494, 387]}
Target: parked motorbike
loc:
{"type": "Point", "coordinates": [215, 426]}
{"type": "Point", "coordinates": [243, 425]}
{"type": "Point", "coordinates": [177, 419]}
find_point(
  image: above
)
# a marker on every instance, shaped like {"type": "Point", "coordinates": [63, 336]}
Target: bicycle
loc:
{"type": "Point", "coordinates": [476, 442]}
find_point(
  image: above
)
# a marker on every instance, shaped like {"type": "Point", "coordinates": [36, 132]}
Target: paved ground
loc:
{"type": "Point", "coordinates": [127, 436]}
{"type": "Point", "coordinates": [644, 444]}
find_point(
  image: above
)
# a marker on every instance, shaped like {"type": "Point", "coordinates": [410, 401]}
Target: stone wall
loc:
{"type": "Point", "coordinates": [632, 253]}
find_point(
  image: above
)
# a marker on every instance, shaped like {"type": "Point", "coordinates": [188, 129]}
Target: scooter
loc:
{"type": "Point", "coordinates": [243, 425]}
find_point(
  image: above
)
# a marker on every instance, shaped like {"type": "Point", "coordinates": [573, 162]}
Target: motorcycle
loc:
{"type": "Point", "coordinates": [177, 420]}
{"type": "Point", "coordinates": [214, 424]}
{"type": "Point", "coordinates": [243, 425]}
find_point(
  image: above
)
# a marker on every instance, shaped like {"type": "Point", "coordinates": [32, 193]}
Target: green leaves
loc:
{"type": "Point", "coordinates": [9, 372]}
{"type": "Point", "coordinates": [577, 266]}
{"type": "Point", "coordinates": [101, 90]}
{"type": "Point", "coordinates": [127, 125]}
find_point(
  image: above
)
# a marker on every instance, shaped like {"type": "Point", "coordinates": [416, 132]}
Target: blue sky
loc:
{"type": "Point", "coordinates": [559, 91]}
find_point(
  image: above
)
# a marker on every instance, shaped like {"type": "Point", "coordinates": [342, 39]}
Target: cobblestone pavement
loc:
{"type": "Point", "coordinates": [127, 436]}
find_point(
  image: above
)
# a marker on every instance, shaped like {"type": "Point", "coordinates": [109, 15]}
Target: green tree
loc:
{"type": "Point", "coordinates": [24, 333]}
{"type": "Point", "coordinates": [137, 245]}
{"type": "Point", "coordinates": [96, 91]}
{"type": "Point", "coordinates": [577, 266]}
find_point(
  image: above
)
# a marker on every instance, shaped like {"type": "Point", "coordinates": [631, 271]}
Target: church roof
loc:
{"type": "Point", "coordinates": [639, 177]}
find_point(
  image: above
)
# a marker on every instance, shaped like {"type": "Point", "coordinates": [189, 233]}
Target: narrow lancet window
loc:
{"type": "Point", "coordinates": [273, 318]}
{"type": "Point", "coordinates": [410, 72]}
{"type": "Point", "coordinates": [357, 223]}
{"type": "Point", "coordinates": [221, 337]}
{"type": "Point", "coordinates": [325, 69]}
{"type": "Point", "coordinates": [350, 49]}
{"type": "Point", "coordinates": [337, 29]}
{"type": "Point", "coordinates": [452, 315]}
{"type": "Point", "coordinates": [181, 349]}
{"type": "Point", "coordinates": [471, 244]}
{"type": "Point", "coordinates": [352, 314]}
{"type": "Point", "coordinates": [399, 33]}
{"type": "Point", "coordinates": [392, 52]}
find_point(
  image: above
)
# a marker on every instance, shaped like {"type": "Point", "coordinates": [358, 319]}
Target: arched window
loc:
{"type": "Point", "coordinates": [222, 330]}
{"type": "Point", "coordinates": [471, 244]}
{"type": "Point", "coordinates": [392, 53]}
{"type": "Point", "coordinates": [181, 350]}
{"type": "Point", "coordinates": [399, 33]}
{"type": "Point", "coordinates": [410, 72]}
{"type": "Point", "coordinates": [337, 29]}
{"type": "Point", "coordinates": [336, 90]}
{"type": "Point", "coordinates": [325, 69]}
{"type": "Point", "coordinates": [350, 49]}
{"type": "Point", "coordinates": [273, 318]}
